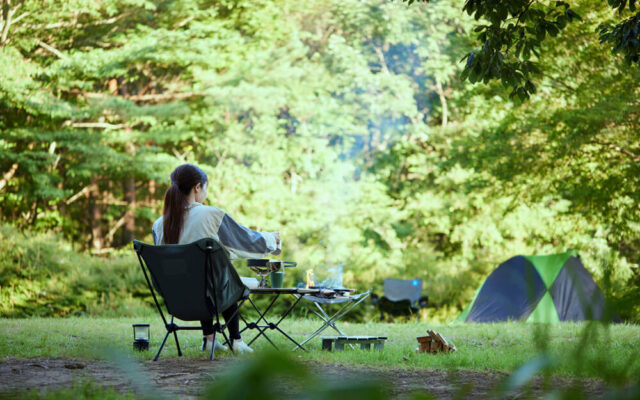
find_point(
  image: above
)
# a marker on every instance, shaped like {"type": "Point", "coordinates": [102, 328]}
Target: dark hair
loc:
{"type": "Point", "coordinates": [183, 179]}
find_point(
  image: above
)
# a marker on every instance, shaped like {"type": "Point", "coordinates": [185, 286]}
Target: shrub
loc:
{"type": "Point", "coordinates": [41, 274]}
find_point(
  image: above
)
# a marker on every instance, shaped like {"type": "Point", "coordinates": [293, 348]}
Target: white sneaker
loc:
{"type": "Point", "coordinates": [216, 347]}
{"type": "Point", "coordinates": [219, 346]}
{"type": "Point", "coordinates": [241, 347]}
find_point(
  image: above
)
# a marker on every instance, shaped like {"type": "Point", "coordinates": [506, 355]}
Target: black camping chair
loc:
{"type": "Point", "coordinates": [401, 298]}
{"type": "Point", "coordinates": [196, 281]}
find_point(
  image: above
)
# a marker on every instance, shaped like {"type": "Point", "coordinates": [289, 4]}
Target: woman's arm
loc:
{"type": "Point", "coordinates": [242, 242]}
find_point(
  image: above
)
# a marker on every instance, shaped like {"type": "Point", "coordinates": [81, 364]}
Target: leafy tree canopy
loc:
{"type": "Point", "coordinates": [511, 33]}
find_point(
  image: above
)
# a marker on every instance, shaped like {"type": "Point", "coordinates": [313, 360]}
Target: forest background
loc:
{"type": "Point", "coordinates": [348, 126]}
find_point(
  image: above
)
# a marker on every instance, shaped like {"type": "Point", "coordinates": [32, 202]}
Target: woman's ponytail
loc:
{"type": "Point", "coordinates": [183, 179]}
{"type": "Point", "coordinates": [174, 204]}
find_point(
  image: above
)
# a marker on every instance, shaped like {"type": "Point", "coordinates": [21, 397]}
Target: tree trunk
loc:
{"type": "Point", "coordinates": [443, 102]}
{"type": "Point", "coordinates": [153, 201]}
{"type": "Point", "coordinates": [129, 185]}
{"type": "Point", "coordinates": [97, 238]}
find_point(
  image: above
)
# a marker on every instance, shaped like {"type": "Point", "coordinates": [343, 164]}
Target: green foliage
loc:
{"type": "Point", "coordinates": [85, 390]}
{"type": "Point", "coordinates": [512, 32]}
{"type": "Point", "coordinates": [349, 127]}
{"type": "Point", "coordinates": [625, 37]}
{"type": "Point", "coordinates": [42, 275]}
{"type": "Point", "coordinates": [533, 22]}
{"type": "Point", "coordinates": [556, 173]}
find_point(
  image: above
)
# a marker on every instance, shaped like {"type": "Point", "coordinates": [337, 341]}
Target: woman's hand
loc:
{"type": "Point", "coordinates": [278, 250]}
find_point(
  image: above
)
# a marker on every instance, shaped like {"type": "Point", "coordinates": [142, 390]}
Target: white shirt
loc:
{"type": "Point", "coordinates": [202, 221]}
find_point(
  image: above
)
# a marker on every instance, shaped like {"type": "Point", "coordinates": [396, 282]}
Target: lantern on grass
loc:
{"type": "Point", "coordinates": [141, 337]}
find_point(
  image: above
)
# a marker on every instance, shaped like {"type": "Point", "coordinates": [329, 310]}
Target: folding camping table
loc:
{"type": "Point", "coordinates": [348, 301]}
{"type": "Point", "coordinates": [262, 324]}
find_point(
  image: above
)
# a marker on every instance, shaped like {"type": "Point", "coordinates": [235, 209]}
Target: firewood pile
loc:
{"type": "Point", "coordinates": [434, 343]}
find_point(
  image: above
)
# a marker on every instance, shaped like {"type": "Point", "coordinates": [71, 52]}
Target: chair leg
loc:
{"type": "Point", "coordinates": [175, 335]}
{"type": "Point", "coordinates": [213, 346]}
{"type": "Point", "coordinates": [226, 339]}
{"type": "Point", "coordinates": [161, 346]}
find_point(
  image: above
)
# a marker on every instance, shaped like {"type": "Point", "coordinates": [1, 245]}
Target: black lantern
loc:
{"type": "Point", "coordinates": [141, 337]}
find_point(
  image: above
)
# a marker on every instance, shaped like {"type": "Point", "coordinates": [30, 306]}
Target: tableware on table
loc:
{"type": "Point", "coordinates": [277, 278]}
{"type": "Point", "coordinates": [263, 267]}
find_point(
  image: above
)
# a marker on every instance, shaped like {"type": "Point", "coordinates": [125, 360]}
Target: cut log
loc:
{"type": "Point", "coordinates": [433, 343]}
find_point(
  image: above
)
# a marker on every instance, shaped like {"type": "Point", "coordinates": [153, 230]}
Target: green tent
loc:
{"type": "Point", "coordinates": [549, 288]}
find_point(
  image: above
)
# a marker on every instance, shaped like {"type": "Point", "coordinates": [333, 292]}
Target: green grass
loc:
{"type": "Point", "coordinates": [608, 351]}
{"type": "Point", "coordinates": [87, 390]}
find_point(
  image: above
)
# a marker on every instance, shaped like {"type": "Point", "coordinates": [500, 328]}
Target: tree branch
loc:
{"type": "Point", "coordinates": [51, 49]}
{"type": "Point", "coordinates": [90, 125]}
{"type": "Point", "coordinates": [7, 15]}
{"type": "Point", "coordinates": [162, 96]}
{"type": "Point", "coordinates": [18, 18]}
{"type": "Point", "coordinates": [115, 228]}
{"type": "Point", "coordinates": [76, 196]}
{"type": "Point", "coordinates": [184, 22]}
{"type": "Point", "coordinates": [138, 97]}
{"type": "Point", "coordinates": [179, 156]}
{"type": "Point", "coordinates": [73, 24]}
{"type": "Point", "coordinates": [8, 175]}
{"type": "Point", "coordinates": [633, 156]}
{"type": "Point", "coordinates": [526, 8]}
{"type": "Point", "coordinates": [381, 59]}
{"type": "Point", "coordinates": [52, 150]}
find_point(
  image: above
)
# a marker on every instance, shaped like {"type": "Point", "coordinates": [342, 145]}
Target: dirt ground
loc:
{"type": "Point", "coordinates": [185, 377]}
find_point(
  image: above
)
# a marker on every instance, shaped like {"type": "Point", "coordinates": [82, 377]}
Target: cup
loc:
{"type": "Point", "coordinates": [276, 279]}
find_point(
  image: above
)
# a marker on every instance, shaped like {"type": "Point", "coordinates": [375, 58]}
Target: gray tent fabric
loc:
{"type": "Point", "coordinates": [575, 294]}
{"type": "Point", "coordinates": [511, 292]}
{"type": "Point", "coordinates": [539, 289]}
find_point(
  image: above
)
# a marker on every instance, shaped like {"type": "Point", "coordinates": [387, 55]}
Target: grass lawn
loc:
{"type": "Point", "coordinates": [581, 350]}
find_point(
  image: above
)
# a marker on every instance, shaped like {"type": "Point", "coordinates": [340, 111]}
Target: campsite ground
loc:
{"type": "Point", "coordinates": [51, 353]}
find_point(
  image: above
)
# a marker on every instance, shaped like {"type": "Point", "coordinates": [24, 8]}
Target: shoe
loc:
{"type": "Point", "coordinates": [241, 347]}
{"type": "Point", "coordinates": [216, 347]}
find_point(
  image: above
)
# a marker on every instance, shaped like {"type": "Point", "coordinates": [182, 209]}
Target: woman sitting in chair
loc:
{"type": "Point", "coordinates": [186, 220]}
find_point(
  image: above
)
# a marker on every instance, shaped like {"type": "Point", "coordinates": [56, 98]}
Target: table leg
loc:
{"type": "Point", "coordinates": [261, 331]}
{"type": "Point", "coordinates": [283, 317]}
{"type": "Point", "coordinates": [270, 325]}
{"type": "Point", "coordinates": [317, 332]}
{"type": "Point", "coordinates": [290, 338]}
{"type": "Point", "coordinates": [329, 321]}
